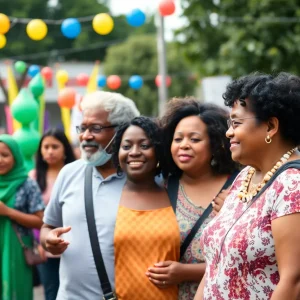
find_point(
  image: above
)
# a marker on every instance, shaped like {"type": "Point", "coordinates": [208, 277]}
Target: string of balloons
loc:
{"type": "Point", "coordinates": [102, 23]}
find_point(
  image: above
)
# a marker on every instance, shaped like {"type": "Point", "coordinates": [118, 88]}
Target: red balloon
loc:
{"type": "Point", "coordinates": [113, 82]}
{"type": "Point", "coordinates": [67, 97]}
{"type": "Point", "coordinates": [158, 80]}
{"type": "Point", "coordinates": [82, 79]}
{"type": "Point", "coordinates": [47, 73]}
{"type": "Point", "coordinates": [166, 7]}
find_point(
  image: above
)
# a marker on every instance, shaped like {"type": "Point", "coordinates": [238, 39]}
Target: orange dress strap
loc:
{"type": "Point", "coordinates": [143, 238]}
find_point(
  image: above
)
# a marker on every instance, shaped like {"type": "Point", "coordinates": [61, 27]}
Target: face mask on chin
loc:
{"type": "Point", "coordinates": [100, 158]}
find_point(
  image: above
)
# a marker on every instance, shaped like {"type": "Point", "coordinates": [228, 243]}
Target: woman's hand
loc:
{"type": "Point", "coordinates": [218, 202]}
{"type": "Point", "coordinates": [164, 274]}
{"type": "Point", "coordinates": [4, 210]}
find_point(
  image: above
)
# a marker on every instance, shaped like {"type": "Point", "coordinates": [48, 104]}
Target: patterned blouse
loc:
{"type": "Point", "coordinates": [187, 214]}
{"type": "Point", "coordinates": [239, 246]}
{"type": "Point", "coordinates": [28, 200]}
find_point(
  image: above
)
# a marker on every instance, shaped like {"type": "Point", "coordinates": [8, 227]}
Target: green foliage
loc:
{"type": "Point", "coordinates": [249, 35]}
{"type": "Point", "coordinates": [138, 56]}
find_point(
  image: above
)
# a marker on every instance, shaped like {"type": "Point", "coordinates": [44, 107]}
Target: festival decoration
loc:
{"type": "Point", "coordinates": [136, 82]}
{"type": "Point", "coordinates": [47, 73]}
{"type": "Point", "coordinates": [37, 29]}
{"type": "Point", "coordinates": [103, 23]}
{"type": "Point", "coordinates": [82, 79]}
{"type": "Point", "coordinates": [92, 83]}
{"type": "Point", "coordinates": [20, 67]}
{"type": "Point", "coordinates": [36, 85]}
{"type": "Point", "coordinates": [2, 41]}
{"type": "Point", "coordinates": [70, 28]}
{"type": "Point", "coordinates": [101, 81]}
{"type": "Point", "coordinates": [25, 110]}
{"type": "Point", "coordinates": [113, 82]}
{"type": "Point", "coordinates": [13, 91]}
{"type": "Point", "coordinates": [62, 77]}
{"type": "Point", "coordinates": [158, 81]}
{"type": "Point", "coordinates": [4, 23]}
{"type": "Point", "coordinates": [33, 70]}
{"type": "Point", "coordinates": [166, 7]}
{"type": "Point", "coordinates": [66, 97]}
{"type": "Point", "coordinates": [136, 18]}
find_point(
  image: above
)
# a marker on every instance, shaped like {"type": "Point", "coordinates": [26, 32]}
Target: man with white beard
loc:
{"type": "Point", "coordinates": [65, 230]}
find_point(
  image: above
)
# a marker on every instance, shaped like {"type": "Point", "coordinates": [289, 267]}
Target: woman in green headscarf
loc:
{"type": "Point", "coordinates": [20, 202]}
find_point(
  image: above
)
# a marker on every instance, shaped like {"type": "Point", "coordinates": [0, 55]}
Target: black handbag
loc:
{"type": "Point", "coordinates": [108, 293]}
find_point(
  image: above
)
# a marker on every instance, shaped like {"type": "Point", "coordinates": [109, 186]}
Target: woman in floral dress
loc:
{"type": "Point", "coordinates": [252, 247]}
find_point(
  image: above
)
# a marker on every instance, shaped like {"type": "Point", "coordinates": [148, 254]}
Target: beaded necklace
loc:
{"type": "Point", "coordinates": [246, 195]}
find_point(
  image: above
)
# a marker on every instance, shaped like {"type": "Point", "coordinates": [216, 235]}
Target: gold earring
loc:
{"type": "Point", "coordinates": [268, 139]}
{"type": "Point", "coordinates": [157, 166]}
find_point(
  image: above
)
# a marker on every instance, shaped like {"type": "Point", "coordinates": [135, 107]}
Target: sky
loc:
{"type": "Point", "coordinates": [172, 22]}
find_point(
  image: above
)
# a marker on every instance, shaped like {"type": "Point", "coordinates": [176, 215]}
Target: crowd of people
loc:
{"type": "Point", "coordinates": [202, 203]}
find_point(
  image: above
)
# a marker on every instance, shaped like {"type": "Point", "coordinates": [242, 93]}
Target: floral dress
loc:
{"type": "Point", "coordinates": [238, 244]}
{"type": "Point", "coordinates": [187, 214]}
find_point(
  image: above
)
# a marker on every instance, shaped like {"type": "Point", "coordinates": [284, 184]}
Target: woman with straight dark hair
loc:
{"type": "Point", "coordinates": [53, 153]}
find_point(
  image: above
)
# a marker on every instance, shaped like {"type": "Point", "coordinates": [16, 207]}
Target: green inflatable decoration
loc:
{"type": "Point", "coordinates": [25, 110]}
{"type": "Point", "coordinates": [36, 85]}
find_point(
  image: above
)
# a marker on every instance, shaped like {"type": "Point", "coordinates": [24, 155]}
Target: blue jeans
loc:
{"type": "Point", "coordinates": [49, 275]}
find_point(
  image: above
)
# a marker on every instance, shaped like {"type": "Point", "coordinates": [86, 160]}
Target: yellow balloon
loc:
{"type": "Point", "coordinates": [37, 29]}
{"type": "Point", "coordinates": [103, 24]}
{"type": "Point", "coordinates": [4, 23]}
{"type": "Point", "coordinates": [2, 41]}
{"type": "Point", "coordinates": [62, 76]}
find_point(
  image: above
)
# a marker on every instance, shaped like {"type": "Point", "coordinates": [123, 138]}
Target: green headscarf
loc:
{"type": "Point", "coordinates": [13, 269]}
{"type": "Point", "coordinates": [10, 182]}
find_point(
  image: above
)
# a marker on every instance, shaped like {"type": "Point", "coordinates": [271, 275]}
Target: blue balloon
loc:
{"type": "Point", "coordinates": [136, 82]}
{"type": "Point", "coordinates": [33, 70]}
{"type": "Point", "coordinates": [136, 18]}
{"type": "Point", "coordinates": [101, 81]}
{"type": "Point", "coordinates": [70, 28]}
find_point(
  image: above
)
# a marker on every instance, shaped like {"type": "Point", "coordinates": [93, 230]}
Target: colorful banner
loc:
{"type": "Point", "coordinates": [12, 90]}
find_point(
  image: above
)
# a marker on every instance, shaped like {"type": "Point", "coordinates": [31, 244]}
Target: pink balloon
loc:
{"type": "Point", "coordinates": [47, 73]}
{"type": "Point", "coordinates": [166, 7]}
{"type": "Point", "coordinates": [113, 82]}
{"type": "Point", "coordinates": [82, 79]}
{"type": "Point", "coordinates": [158, 80]}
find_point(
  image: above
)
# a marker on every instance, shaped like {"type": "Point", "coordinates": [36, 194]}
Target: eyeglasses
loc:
{"type": "Point", "coordinates": [95, 128]}
{"type": "Point", "coordinates": [234, 123]}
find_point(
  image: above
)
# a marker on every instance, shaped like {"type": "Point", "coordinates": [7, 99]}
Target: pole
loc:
{"type": "Point", "coordinates": [162, 67]}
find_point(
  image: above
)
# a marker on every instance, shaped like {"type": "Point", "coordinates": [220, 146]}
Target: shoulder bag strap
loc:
{"type": "Point", "coordinates": [14, 226]}
{"type": "Point", "coordinates": [90, 217]}
{"type": "Point", "coordinates": [205, 214]}
{"type": "Point", "coordinates": [173, 185]}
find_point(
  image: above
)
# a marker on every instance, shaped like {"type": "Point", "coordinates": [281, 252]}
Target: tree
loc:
{"type": "Point", "coordinates": [138, 56]}
{"type": "Point", "coordinates": [239, 37]}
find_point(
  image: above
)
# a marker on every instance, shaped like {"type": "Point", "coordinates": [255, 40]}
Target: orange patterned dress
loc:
{"type": "Point", "coordinates": [143, 238]}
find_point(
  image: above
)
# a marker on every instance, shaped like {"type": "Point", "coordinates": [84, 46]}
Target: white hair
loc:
{"type": "Point", "coordinates": [121, 109]}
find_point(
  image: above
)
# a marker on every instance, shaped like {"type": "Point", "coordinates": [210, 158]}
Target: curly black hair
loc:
{"type": "Point", "coordinates": [215, 119]}
{"type": "Point", "coordinates": [41, 166]}
{"type": "Point", "coordinates": [152, 131]}
{"type": "Point", "coordinates": [270, 96]}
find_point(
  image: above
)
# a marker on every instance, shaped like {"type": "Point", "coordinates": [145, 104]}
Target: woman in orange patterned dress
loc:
{"type": "Point", "coordinates": [146, 227]}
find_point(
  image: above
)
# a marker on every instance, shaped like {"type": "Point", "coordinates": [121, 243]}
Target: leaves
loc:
{"type": "Point", "coordinates": [249, 35]}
